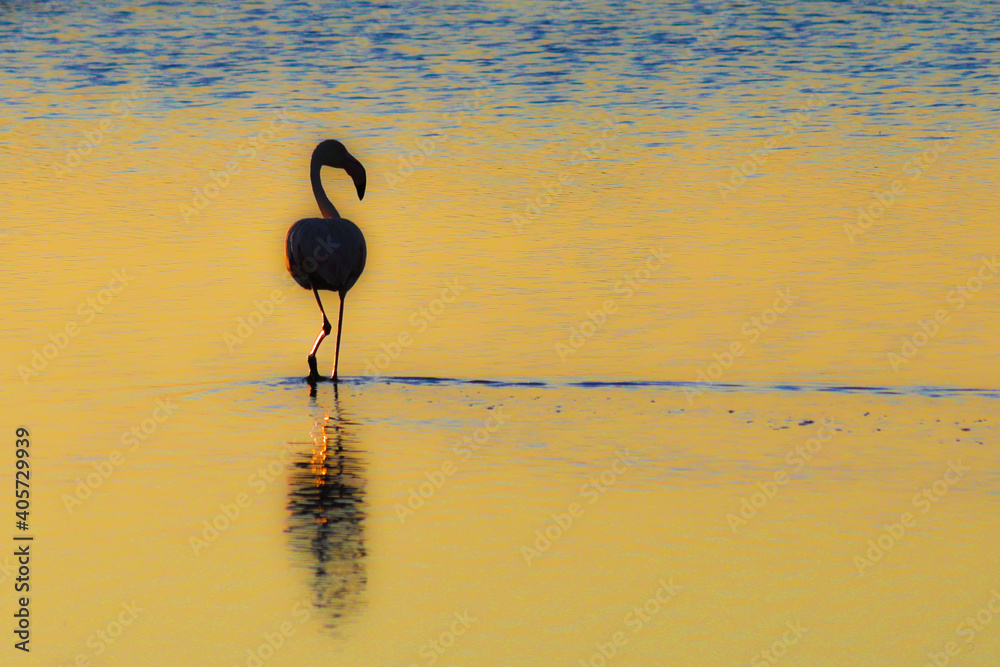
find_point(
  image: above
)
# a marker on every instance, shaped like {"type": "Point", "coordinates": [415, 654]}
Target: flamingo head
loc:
{"type": "Point", "coordinates": [332, 153]}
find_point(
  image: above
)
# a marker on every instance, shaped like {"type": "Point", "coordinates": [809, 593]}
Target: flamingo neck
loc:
{"type": "Point", "coordinates": [326, 207]}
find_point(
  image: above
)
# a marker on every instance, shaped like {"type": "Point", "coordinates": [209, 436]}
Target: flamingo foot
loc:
{"type": "Point", "coordinates": [313, 372]}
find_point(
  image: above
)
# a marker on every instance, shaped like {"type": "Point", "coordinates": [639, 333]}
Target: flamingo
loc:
{"type": "Point", "coordinates": [327, 253]}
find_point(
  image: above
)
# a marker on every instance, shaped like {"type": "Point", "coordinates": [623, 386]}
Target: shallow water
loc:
{"type": "Point", "coordinates": [603, 390]}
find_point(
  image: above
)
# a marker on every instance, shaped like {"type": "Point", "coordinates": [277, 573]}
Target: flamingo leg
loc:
{"type": "Point", "coordinates": [313, 372]}
{"type": "Point", "coordinates": [340, 324]}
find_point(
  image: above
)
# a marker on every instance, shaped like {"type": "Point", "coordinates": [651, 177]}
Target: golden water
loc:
{"type": "Point", "coordinates": [566, 279]}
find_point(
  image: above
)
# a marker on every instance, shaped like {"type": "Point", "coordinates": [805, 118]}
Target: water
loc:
{"type": "Point", "coordinates": [674, 341]}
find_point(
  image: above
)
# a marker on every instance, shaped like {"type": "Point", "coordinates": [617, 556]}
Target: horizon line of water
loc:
{"type": "Point", "coordinates": [929, 391]}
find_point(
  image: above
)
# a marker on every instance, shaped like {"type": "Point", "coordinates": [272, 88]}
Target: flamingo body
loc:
{"type": "Point", "coordinates": [336, 247]}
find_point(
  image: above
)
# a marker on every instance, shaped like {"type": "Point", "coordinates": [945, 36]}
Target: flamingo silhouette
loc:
{"type": "Point", "coordinates": [327, 253]}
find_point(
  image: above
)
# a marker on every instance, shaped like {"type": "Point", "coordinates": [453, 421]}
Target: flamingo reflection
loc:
{"type": "Point", "coordinates": [326, 521]}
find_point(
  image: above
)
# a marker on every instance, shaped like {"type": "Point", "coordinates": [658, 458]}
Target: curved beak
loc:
{"type": "Point", "coordinates": [357, 174]}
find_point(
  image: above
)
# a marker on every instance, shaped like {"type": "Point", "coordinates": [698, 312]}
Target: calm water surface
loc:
{"type": "Point", "coordinates": [675, 344]}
